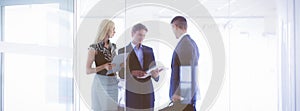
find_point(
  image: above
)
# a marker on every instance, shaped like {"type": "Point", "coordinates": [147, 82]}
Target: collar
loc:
{"type": "Point", "coordinates": [182, 36]}
{"type": "Point", "coordinates": [102, 43]}
{"type": "Point", "coordinates": [133, 46]}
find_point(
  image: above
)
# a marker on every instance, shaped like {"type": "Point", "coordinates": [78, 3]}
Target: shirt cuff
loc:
{"type": "Point", "coordinates": [156, 79]}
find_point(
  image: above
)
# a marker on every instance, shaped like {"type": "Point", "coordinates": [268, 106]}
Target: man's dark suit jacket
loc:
{"type": "Point", "coordinates": [139, 92]}
{"type": "Point", "coordinates": [185, 54]}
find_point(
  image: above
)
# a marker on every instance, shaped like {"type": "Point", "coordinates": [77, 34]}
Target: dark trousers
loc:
{"type": "Point", "coordinates": [139, 102]}
{"type": "Point", "coordinates": [185, 107]}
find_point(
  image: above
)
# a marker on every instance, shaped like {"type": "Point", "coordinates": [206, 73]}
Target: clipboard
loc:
{"type": "Point", "coordinates": [117, 60]}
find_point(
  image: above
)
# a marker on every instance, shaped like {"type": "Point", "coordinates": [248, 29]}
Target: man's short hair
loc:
{"type": "Point", "coordinates": [180, 22]}
{"type": "Point", "coordinates": [138, 27]}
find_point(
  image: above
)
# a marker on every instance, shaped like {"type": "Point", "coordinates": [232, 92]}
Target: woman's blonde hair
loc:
{"type": "Point", "coordinates": [103, 29]}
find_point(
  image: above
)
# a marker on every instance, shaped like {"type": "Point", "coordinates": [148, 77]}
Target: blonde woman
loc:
{"type": "Point", "coordinates": [105, 86]}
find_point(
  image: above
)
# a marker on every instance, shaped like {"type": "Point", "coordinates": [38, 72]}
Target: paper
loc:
{"type": "Point", "coordinates": [185, 74]}
{"type": "Point", "coordinates": [186, 84]}
{"type": "Point", "coordinates": [160, 68]}
{"type": "Point", "coordinates": [117, 61]}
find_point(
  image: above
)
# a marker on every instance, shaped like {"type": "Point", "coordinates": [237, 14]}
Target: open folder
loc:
{"type": "Point", "coordinates": [117, 61]}
{"type": "Point", "coordinates": [160, 68]}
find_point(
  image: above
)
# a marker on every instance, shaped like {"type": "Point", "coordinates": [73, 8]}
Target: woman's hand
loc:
{"type": "Point", "coordinates": [122, 65]}
{"type": "Point", "coordinates": [108, 66]}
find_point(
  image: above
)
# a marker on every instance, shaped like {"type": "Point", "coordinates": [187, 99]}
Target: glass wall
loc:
{"type": "Point", "coordinates": [249, 31]}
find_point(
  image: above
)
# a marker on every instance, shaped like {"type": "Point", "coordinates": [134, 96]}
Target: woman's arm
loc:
{"type": "Point", "coordinates": [91, 59]}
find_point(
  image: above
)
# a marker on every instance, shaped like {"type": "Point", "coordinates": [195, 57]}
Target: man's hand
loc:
{"type": "Point", "coordinates": [155, 73]}
{"type": "Point", "coordinates": [138, 73]}
{"type": "Point", "coordinates": [176, 98]}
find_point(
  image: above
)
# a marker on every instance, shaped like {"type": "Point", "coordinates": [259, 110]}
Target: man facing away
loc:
{"type": "Point", "coordinates": [185, 54]}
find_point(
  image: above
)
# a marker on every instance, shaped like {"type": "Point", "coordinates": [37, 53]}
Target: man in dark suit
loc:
{"type": "Point", "coordinates": [185, 54]}
{"type": "Point", "coordinates": [139, 89]}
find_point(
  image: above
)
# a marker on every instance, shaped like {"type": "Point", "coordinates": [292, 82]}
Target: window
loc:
{"type": "Point", "coordinates": [37, 57]}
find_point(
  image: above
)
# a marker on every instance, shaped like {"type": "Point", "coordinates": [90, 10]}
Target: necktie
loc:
{"type": "Point", "coordinates": [139, 53]}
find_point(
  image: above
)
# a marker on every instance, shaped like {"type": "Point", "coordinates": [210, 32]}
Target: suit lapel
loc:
{"type": "Point", "coordinates": [129, 48]}
{"type": "Point", "coordinates": [144, 56]}
{"type": "Point", "coordinates": [133, 56]}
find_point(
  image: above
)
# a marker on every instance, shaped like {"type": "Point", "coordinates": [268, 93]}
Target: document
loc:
{"type": "Point", "coordinates": [117, 61]}
{"type": "Point", "coordinates": [186, 84]}
{"type": "Point", "coordinates": [160, 68]}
